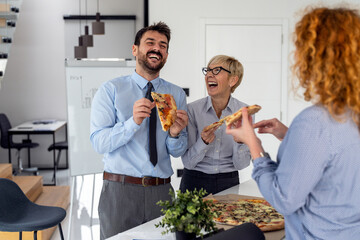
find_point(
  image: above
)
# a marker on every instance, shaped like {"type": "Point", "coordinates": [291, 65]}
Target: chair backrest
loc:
{"type": "Point", "coordinates": [12, 200]}
{"type": "Point", "coordinates": [4, 128]}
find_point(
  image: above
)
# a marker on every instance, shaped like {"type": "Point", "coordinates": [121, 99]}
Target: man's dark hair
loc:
{"type": "Point", "coordinates": [160, 27]}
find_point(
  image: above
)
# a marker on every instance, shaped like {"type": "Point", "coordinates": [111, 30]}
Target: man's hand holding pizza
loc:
{"type": "Point", "coordinates": [180, 123]}
{"type": "Point", "coordinates": [172, 120]}
{"type": "Point", "coordinates": [142, 109]}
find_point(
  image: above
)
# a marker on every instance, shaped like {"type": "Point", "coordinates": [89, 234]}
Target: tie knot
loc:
{"type": "Point", "coordinates": [148, 93]}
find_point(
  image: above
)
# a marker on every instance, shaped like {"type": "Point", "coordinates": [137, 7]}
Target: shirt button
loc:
{"type": "Point", "coordinates": [217, 150]}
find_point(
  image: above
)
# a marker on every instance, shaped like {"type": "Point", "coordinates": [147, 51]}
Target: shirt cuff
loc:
{"type": "Point", "coordinates": [131, 125]}
{"type": "Point", "coordinates": [261, 161]}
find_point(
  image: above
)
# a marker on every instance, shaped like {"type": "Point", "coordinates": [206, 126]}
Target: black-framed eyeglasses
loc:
{"type": "Point", "coordinates": [215, 70]}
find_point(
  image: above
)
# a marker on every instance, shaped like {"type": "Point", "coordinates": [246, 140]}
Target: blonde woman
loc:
{"type": "Point", "coordinates": [213, 159]}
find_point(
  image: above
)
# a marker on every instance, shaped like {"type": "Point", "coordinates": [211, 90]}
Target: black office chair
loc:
{"type": "Point", "coordinates": [57, 146]}
{"type": "Point", "coordinates": [18, 213]}
{"type": "Point", "coordinates": [7, 143]}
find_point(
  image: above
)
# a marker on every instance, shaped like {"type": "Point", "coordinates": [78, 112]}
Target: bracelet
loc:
{"type": "Point", "coordinates": [207, 143]}
{"type": "Point", "coordinates": [264, 154]}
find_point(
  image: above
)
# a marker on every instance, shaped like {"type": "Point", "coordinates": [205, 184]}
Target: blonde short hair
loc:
{"type": "Point", "coordinates": [231, 64]}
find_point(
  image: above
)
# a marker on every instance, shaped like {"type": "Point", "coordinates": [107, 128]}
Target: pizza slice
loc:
{"type": "Point", "coordinates": [214, 125]}
{"type": "Point", "coordinates": [237, 115]}
{"type": "Point", "coordinates": [233, 117]}
{"type": "Point", "coordinates": [166, 107]}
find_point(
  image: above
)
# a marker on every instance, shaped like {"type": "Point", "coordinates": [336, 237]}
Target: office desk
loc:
{"type": "Point", "coordinates": [38, 128]}
{"type": "Point", "coordinates": [149, 231]}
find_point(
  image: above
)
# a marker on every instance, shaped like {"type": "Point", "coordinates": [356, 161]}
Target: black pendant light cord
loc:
{"type": "Point", "coordinates": [86, 11]}
{"type": "Point", "coordinates": [80, 19]}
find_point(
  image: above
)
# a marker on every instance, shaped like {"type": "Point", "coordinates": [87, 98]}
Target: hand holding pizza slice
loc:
{"type": "Point", "coordinates": [238, 115]}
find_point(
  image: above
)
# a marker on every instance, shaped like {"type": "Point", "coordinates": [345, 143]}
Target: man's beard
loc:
{"type": "Point", "coordinates": [150, 68]}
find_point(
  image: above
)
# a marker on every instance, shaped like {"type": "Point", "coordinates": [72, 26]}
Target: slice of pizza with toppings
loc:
{"type": "Point", "coordinates": [166, 107]}
{"type": "Point", "coordinates": [233, 117]}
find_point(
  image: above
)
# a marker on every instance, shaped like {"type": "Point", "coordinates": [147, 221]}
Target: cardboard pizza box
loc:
{"type": "Point", "coordinates": [273, 235]}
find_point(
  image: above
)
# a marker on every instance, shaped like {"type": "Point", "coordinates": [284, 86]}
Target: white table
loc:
{"type": "Point", "coordinates": [40, 127]}
{"type": "Point", "coordinates": [149, 231]}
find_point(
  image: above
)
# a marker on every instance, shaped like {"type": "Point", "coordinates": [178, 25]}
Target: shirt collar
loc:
{"type": "Point", "coordinates": [208, 105]}
{"type": "Point", "coordinates": [231, 104]}
{"type": "Point", "coordinates": [142, 82]}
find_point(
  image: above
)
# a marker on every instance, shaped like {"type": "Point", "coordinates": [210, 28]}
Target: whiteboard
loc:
{"type": "Point", "coordinates": [83, 78]}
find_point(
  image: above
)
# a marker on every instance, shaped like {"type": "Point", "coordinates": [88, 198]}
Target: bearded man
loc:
{"type": "Point", "coordinates": [137, 167]}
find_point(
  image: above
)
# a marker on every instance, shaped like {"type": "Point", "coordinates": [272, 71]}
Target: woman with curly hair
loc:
{"type": "Point", "coordinates": [315, 181]}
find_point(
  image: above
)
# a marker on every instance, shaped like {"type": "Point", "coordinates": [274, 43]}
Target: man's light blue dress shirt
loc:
{"type": "Point", "coordinates": [315, 182]}
{"type": "Point", "coordinates": [124, 143]}
{"type": "Point", "coordinates": [223, 154]}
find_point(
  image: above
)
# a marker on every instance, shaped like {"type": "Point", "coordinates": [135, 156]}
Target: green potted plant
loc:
{"type": "Point", "coordinates": [187, 214]}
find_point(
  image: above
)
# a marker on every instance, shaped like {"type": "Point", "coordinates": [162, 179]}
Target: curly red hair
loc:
{"type": "Point", "coordinates": [327, 59]}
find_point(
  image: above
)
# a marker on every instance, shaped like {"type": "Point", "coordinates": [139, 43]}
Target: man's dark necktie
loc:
{"type": "Point", "coordinates": [152, 128]}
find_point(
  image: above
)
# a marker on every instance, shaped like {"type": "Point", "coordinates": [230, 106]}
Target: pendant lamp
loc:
{"type": "Point", "coordinates": [81, 50]}
{"type": "Point", "coordinates": [87, 39]}
{"type": "Point", "coordinates": [98, 27]}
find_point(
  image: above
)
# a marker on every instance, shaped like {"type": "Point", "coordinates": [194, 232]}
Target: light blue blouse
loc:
{"type": "Point", "coordinates": [315, 182]}
{"type": "Point", "coordinates": [223, 154]}
{"type": "Point", "coordinates": [124, 143]}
